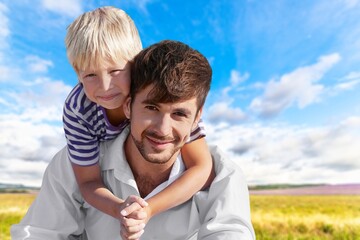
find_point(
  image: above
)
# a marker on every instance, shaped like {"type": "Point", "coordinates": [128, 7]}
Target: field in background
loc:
{"type": "Point", "coordinates": [13, 207]}
{"type": "Point", "coordinates": [274, 217]}
{"type": "Point", "coordinates": [306, 217]}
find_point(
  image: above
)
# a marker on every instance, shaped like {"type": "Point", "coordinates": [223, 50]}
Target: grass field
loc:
{"type": "Point", "coordinates": [12, 208]}
{"type": "Point", "coordinates": [306, 217]}
{"type": "Point", "coordinates": [274, 217]}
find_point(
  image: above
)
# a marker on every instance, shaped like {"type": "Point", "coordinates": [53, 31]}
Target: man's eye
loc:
{"type": "Point", "coordinates": [180, 114]}
{"type": "Point", "coordinates": [152, 108]}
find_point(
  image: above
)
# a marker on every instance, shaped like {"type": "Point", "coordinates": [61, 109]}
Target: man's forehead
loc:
{"type": "Point", "coordinates": [145, 96]}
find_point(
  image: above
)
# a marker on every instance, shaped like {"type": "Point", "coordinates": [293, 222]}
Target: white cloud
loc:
{"type": "Point", "coordinates": [8, 74]}
{"type": "Point", "coordinates": [292, 154]}
{"type": "Point", "coordinates": [42, 100]}
{"type": "Point", "coordinates": [299, 86]}
{"type": "Point", "coordinates": [223, 112]}
{"type": "Point", "coordinates": [352, 76]}
{"type": "Point", "coordinates": [17, 171]}
{"type": "Point", "coordinates": [347, 83]}
{"type": "Point", "coordinates": [352, 122]}
{"type": "Point", "coordinates": [236, 78]}
{"type": "Point", "coordinates": [4, 21]}
{"type": "Point", "coordinates": [351, 3]}
{"type": "Point", "coordinates": [31, 129]}
{"type": "Point", "coordinates": [141, 5]}
{"type": "Point", "coordinates": [26, 148]}
{"type": "Point", "coordinates": [30, 114]}
{"type": "Point", "coordinates": [71, 8]}
{"type": "Point", "coordinates": [37, 64]}
{"type": "Point", "coordinates": [4, 30]}
{"type": "Point", "coordinates": [266, 154]}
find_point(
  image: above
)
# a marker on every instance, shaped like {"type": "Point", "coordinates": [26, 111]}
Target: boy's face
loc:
{"type": "Point", "coordinates": [107, 85]}
{"type": "Point", "coordinates": [159, 130]}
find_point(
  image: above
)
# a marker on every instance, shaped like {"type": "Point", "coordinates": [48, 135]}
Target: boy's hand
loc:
{"type": "Point", "coordinates": [134, 218]}
{"type": "Point", "coordinates": [131, 204]}
{"type": "Point", "coordinates": [133, 228]}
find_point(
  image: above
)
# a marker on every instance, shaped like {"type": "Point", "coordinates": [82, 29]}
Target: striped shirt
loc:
{"type": "Point", "coordinates": [86, 125]}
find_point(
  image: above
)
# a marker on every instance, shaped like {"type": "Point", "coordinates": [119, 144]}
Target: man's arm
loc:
{"type": "Point", "coordinates": [56, 212]}
{"type": "Point", "coordinates": [225, 209]}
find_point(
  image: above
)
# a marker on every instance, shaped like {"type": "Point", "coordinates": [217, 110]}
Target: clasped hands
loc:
{"type": "Point", "coordinates": [134, 214]}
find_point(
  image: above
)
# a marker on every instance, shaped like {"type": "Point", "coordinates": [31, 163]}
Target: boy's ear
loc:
{"type": "Point", "coordinates": [127, 107]}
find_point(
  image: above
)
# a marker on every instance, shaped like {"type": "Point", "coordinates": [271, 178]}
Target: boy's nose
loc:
{"type": "Point", "coordinates": [106, 82]}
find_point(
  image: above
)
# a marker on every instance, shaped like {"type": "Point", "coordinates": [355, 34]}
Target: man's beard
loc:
{"type": "Point", "coordinates": [158, 157]}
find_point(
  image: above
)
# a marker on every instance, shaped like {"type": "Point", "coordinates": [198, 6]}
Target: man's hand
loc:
{"type": "Point", "coordinates": [134, 217]}
{"type": "Point", "coordinates": [131, 204]}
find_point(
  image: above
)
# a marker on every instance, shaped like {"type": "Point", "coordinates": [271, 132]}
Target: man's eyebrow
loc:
{"type": "Point", "coordinates": [179, 109]}
{"type": "Point", "coordinates": [149, 101]}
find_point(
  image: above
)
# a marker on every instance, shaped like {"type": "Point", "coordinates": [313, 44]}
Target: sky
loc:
{"type": "Point", "coordinates": [284, 102]}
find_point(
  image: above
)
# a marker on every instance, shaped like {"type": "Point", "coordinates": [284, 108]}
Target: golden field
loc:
{"type": "Point", "coordinates": [274, 217]}
{"type": "Point", "coordinates": [306, 217]}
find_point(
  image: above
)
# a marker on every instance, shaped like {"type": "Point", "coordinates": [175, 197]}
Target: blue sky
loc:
{"type": "Point", "coordinates": [284, 101]}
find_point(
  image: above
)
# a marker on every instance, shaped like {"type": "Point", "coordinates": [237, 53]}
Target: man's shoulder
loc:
{"type": "Point", "coordinates": [224, 166]}
{"type": "Point", "coordinates": [112, 150]}
{"type": "Point", "coordinates": [220, 157]}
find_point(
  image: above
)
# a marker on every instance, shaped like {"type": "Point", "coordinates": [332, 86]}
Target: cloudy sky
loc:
{"type": "Point", "coordinates": [284, 102]}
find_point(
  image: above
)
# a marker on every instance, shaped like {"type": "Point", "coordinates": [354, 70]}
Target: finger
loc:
{"type": "Point", "coordinates": [138, 215]}
{"type": "Point", "coordinates": [125, 234]}
{"type": "Point", "coordinates": [139, 200]}
{"type": "Point", "coordinates": [135, 229]}
{"type": "Point", "coordinates": [136, 235]}
{"type": "Point", "coordinates": [130, 222]}
{"type": "Point", "coordinates": [130, 209]}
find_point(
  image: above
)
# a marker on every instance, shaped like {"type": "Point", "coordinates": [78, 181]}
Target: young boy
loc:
{"type": "Point", "coordinates": [99, 46]}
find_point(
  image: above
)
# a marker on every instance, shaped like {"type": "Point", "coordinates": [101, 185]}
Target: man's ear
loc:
{"type": "Point", "coordinates": [127, 107]}
{"type": "Point", "coordinates": [197, 118]}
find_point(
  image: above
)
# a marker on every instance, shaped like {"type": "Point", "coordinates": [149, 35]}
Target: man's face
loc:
{"type": "Point", "coordinates": [159, 130]}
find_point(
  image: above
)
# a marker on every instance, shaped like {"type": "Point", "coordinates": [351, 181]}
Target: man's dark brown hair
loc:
{"type": "Point", "coordinates": [176, 71]}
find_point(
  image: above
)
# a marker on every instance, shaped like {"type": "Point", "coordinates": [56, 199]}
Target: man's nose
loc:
{"type": "Point", "coordinates": [163, 124]}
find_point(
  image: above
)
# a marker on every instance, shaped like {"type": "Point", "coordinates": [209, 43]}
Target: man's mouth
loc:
{"type": "Point", "coordinates": [158, 142]}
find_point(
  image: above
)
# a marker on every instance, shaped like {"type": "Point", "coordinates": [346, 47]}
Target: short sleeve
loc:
{"type": "Point", "coordinates": [79, 128]}
{"type": "Point", "coordinates": [198, 132]}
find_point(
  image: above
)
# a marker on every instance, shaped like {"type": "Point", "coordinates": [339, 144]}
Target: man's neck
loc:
{"type": "Point", "coordinates": [146, 183]}
{"type": "Point", "coordinates": [147, 175]}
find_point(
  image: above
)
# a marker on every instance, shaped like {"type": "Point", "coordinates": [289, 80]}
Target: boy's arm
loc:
{"type": "Point", "coordinates": [199, 175]}
{"type": "Point", "coordinates": [78, 133]}
{"type": "Point", "coordinates": [96, 194]}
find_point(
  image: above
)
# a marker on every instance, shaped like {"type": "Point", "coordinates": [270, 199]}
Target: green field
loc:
{"type": "Point", "coordinates": [274, 217]}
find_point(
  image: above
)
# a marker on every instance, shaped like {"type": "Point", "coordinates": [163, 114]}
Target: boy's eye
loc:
{"type": "Point", "coordinates": [115, 71]}
{"type": "Point", "coordinates": [90, 75]}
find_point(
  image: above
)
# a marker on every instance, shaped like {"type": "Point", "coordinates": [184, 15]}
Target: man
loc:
{"type": "Point", "coordinates": [170, 82]}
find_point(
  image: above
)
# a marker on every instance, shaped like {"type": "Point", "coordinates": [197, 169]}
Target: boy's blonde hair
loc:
{"type": "Point", "coordinates": [104, 34]}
